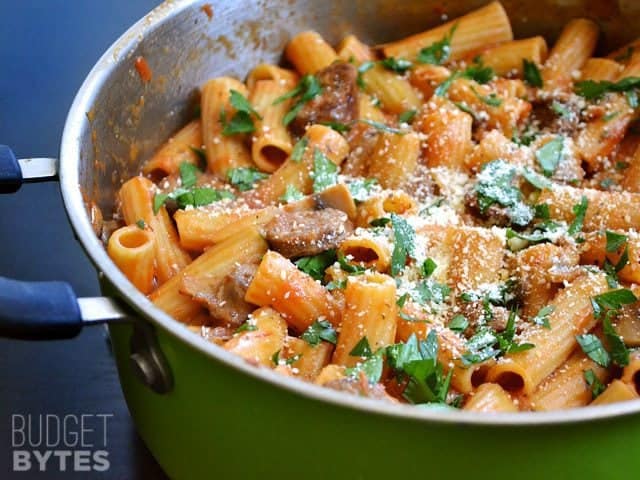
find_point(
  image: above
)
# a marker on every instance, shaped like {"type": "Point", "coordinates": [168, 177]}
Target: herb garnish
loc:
{"type": "Point", "coordinates": [315, 265]}
{"type": "Point", "coordinates": [550, 155]}
{"type": "Point", "coordinates": [325, 172]}
{"type": "Point", "coordinates": [531, 73]}
{"type": "Point", "coordinates": [241, 122]}
{"type": "Point", "coordinates": [319, 330]}
{"type": "Point", "coordinates": [307, 89]}
{"type": "Point", "coordinates": [244, 178]}
{"type": "Point", "coordinates": [438, 52]}
{"type": "Point", "coordinates": [404, 243]}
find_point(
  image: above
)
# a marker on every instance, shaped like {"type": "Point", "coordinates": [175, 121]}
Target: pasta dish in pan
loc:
{"type": "Point", "coordinates": [449, 219]}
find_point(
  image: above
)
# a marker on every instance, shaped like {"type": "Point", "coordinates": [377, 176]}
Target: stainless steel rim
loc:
{"type": "Point", "coordinates": [74, 204]}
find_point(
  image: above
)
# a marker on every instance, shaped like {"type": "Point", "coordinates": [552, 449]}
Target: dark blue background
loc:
{"type": "Point", "coordinates": [47, 47]}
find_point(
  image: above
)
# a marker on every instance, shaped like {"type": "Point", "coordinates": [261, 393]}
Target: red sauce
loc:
{"type": "Point", "coordinates": [208, 9]}
{"type": "Point", "coordinates": [143, 69]}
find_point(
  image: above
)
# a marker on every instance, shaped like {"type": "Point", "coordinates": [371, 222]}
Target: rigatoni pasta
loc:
{"type": "Point", "coordinates": [450, 218]}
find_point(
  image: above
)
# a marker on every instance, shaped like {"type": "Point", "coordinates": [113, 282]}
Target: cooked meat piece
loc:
{"type": "Point", "coordinates": [338, 101]}
{"type": "Point", "coordinates": [224, 298]}
{"type": "Point", "coordinates": [299, 234]}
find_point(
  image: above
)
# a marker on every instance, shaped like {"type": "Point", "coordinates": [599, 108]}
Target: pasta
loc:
{"type": "Point", "coordinates": [450, 218]}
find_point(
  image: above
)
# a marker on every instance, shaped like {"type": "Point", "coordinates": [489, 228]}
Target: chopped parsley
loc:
{"type": "Point", "coordinates": [140, 224]}
{"type": "Point", "coordinates": [318, 331]}
{"type": "Point", "coordinates": [382, 127]}
{"type": "Point", "coordinates": [612, 301]}
{"type": "Point", "coordinates": [337, 126]}
{"type": "Point", "coordinates": [593, 90]}
{"type": "Point", "coordinates": [315, 265]}
{"type": "Point", "coordinates": [241, 122]}
{"type": "Point", "coordinates": [361, 349]}
{"type": "Point", "coordinates": [403, 245]}
{"type": "Point", "coordinates": [407, 116]}
{"type": "Point", "coordinates": [438, 52]}
{"type": "Point", "coordinates": [362, 69]}
{"type": "Point", "coordinates": [593, 348]}
{"type": "Point", "coordinates": [495, 186]}
{"type": "Point", "coordinates": [536, 180]}
{"type": "Point", "coordinates": [579, 210]}
{"type": "Point", "coordinates": [458, 323]}
{"type": "Point", "coordinates": [188, 174]}
{"type": "Point", "coordinates": [428, 267]}
{"type": "Point", "coordinates": [298, 149]}
{"type": "Point", "coordinates": [594, 383]}
{"type": "Point", "coordinates": [615, 241]}
{"type": "Point", "coordinates": [307, 89]}
{"type": "Point", "coordinates": [487, 343]}
{"type": "Point", "coordinates": [247, 327]}
{"type": "Point", "coordinates": [492, 100]}
{"type": "Point", "coordinates": [416, 362]}
{"type": "Point", "coordinates": [542, 317]}
{"type": "Point", "coordinates": [288, 361]}
{"type": "Point", "coordinates": [398, 65]}
{"type": "Point", "coordinates": [325, 172]}
{"type": "Point", "coordinates": [479, 73]}
{"type": "Point", "coordinates": [430, 291]}
{"type": "Point", "coordinates": [244, 178]}
{"type": "Point", "coordinates": [531, 73]}
{"type": "Point", "coordinates": [337, 284]}
{"type": "Point", "coordinates": [550, 155]}
{"type": "Point", "coordinates": [361, 187]}
{"type": "Point", "coordinates": [348, 267]}
{"type": "Point", "coordinates": [617, 349]}
{"type": "Point", "coordinates": [371, 368]}
{"type": "Point", "coordinates": [291, 194]}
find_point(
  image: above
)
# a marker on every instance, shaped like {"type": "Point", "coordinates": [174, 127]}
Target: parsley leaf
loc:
{"type": "Point", "coordinates": [307, 89]}
{"type": "Point", "coordinates": [417, 361]}
{"type": "Point", "coordinates": [246, 327]}
{"type": "Point", "coordinates": [531, 73]}
{"type": "Point", "coordinates": [337, 126]}
{"type": "Point", "coordinates": [291, 194]}
{"type": "Point", "coordinates": [535, 179]}
{"type": "Point", "coordinates": [579, 211]}
{"type": "Point", "coordinates": [495, 185]}
{"type": "Point", "coordinates": [348, 267]}
{"type": "Point", "coordinates": [371, 367]}
{"type": "Point", "coordinates": [429, 291]}
{"type": "Point", "coordinates": [614, 241]}
{"type": "Point", "coordinates": [398, 65]}
{"type": "Point", "coordinates": [241, 122]}
{"type": "Point", "coordinates": [492, 100]}
{"type": "Point", "coordinates": [361, 187]}
{"type": "Point", "coordinates": [244, 178]}
{"type": "Point", "coordinates": [188, 174]}
{"type": "Point", "coordinates": [428, 267]}
{"type": "Point", "coordinates": [542, 317]}
{"type": "Point", "coordinates": [298, 149]}
{"type": "Point", "coordinates": [361, 349]}
{"type": "Point", "coordinates": [458, 323]}
{"type": "Point", "coordinates": [319, 330]}
{"type": "Point", "coordinates": [158, 201]}
{"type": "Point", "coordinates": [199, 197]}
{"type": "Point", "coordinates": [618, 350]}
{"type": "Point", "coordinates": [337, 284]}
{"type": "Point", "coordinates": [592, 347]}
{"type": "Point", "coordinates": [140, 224]}
{"type": "Point", "coordinates": [325, 172]}
{"type": "Point", "coordinates": [612, 300]}
{"type": "Point", "coordinates": [315, 265]}
{"type": "Point", "coordinates": [594, 383]}
{"type": "Point", "coordinates": [592, 90]}
{"type": "Point", "coordinates": [438, 52]}
{"type": "Point", "coordinates": [382, 127]}
{"type": "Point", "coordinates": [407, 116]}
{"type": "Point", "coordinates": [550, 154]}
{"type": "Point", "coordinates": [479, 73]}
{"type": "Point", "coordinates": [403, 243]}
